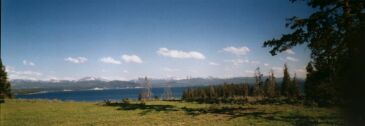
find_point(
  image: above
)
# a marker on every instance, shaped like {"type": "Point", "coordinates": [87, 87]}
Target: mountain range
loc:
{"type": "Point", "coordinates": [95, 83]}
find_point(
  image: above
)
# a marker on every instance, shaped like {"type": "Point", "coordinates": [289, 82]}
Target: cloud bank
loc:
{"type": "Point", "coordinates": [76, 60]}
{"type": "Point", "coordinates": [239, 51]}
{"type": "Point", "coordinates": [109, 60]}
{"type": "Point", "coordinates": [180, 54]}
{"type": "Point", "coordinates": [131, 58]}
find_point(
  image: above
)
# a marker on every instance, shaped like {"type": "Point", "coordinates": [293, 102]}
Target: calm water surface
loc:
{"type": "Point", "coordinates": [99, 95]}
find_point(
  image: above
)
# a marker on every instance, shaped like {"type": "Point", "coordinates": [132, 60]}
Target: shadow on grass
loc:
{"type": "Point", "coordinates": [235, 112]}
{"type": "Point", "coordinates": [294, 118]}
{"type": "Point", "coordinates": [146, 108]}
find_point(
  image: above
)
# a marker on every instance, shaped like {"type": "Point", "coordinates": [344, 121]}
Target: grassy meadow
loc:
{"type": "Point", "coordinates": [53, 112]}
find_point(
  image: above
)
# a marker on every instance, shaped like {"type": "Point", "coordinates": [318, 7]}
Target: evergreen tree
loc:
{"type": "Point", "coordinates": [335, 35]}
{"type": "Point", "coordinates": [245, 90]}
{"type": "Point", "coordinates": [266, 87]}
{"type": "Point", "coordinates": [309, 86]}
{"type": "Point", "coordinates": [286, 84]}
{"type": "Point", "coordinates": [5, 90]}
{"type": "Point", "coordinates": [295, 89]}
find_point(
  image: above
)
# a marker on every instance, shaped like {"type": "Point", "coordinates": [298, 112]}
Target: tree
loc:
{"type": "Point", "coordinates": [295, 88]}
{"type": "Point", "coordinates": [145, 93]}
{"type": "Point", "coordinates": [270, 85]}
{"type": "Point", "coordinates": [258, 88]}
{"type": "Point", "coordinates": [286, 84]}
{"type": "Point", "coordinates": [212, 93]}
{"type": "Point", "coordinates": [167, 93]}
{"type": "Point", "coordinates": [309, 87]}
{"type": "Point", "coordinates": [5, 89]}
{"type": "Point", "coordinates": [335, 34]}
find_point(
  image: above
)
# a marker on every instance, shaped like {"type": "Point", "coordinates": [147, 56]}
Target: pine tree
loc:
{"type": "Point", "coordinates": [309, 86]}
{"type": "Point", "coordinates": [245, 90]}
{"type": "Point", "coordinates": [5, 89]}
{"type": "Point", "coordinates": [285, 86]}
{"type": "Point", "coordinates": [295, 89]}
{"type": "Point", "coordinates": [334, 34]}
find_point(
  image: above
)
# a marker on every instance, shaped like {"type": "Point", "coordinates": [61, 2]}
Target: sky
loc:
{"type": "Point", "coordinates": [127, 39]}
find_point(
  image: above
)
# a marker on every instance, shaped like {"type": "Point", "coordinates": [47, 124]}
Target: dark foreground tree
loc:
{"type": "Point", "coordinates": [295, 88]}
{"type": "Point", "coordinates": [335, 34]}
{"type": "Point", "coordinates": [5, 91]}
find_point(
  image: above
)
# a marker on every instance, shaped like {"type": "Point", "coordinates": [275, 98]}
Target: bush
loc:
{"type": "Point", "coordinates": [107, 102]}
{"type": "Point", "coordinates": [126, 101]}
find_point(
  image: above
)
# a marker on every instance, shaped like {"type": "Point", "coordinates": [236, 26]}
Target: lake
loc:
{"type": "Point", "coordinates": [99, 95]}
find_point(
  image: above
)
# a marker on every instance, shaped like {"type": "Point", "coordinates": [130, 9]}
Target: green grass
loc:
{"type": "Point", "coordinates": [51, 112]}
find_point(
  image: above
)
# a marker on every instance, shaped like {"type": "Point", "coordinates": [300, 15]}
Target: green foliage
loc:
{"type": "Point", "coordinates": [126, 101]}
{"type": "Point", "coordinates": [238, 93]}
{"type": "Point", "coordinates": [335, 35]}
{"type": "Point", "coordinates": [5, 89]}
{"type": "Point", "coordinates": [217, 93]}
{"type": "Point", "coordinates": [295, 90]}
{"type": "Point", "coordinates": [286, 84]}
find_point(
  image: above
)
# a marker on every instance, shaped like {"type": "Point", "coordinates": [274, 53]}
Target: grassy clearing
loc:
{"type": "Point", "coordinates": [51, 112]}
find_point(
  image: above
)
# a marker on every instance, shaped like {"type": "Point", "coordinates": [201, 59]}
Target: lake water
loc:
{"type": "Point", "coordinates": [99, 95]}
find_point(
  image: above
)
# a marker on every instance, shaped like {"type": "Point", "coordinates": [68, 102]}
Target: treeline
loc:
{"type": "Point", "coordinates": [269, 88]}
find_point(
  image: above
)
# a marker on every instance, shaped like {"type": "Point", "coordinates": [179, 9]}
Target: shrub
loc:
{"type": "Point", "coordinates": [126, 101]}
{"type": "Point", "coordinates": [107, 102]}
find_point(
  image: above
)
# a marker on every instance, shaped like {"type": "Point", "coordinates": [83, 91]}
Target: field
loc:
{"type": "Point", "coordinates": [53, 112]}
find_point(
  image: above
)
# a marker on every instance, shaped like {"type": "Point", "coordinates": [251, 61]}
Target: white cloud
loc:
{"type": "Point", "coordinates": [213, 63]}
{"type": "Point", "coordinates": [291, 59]}
{"type": "Point", "coordinates": [266, 64]}
{"type": "Point", "coordinates": [109, 60]}
{"type": "Point", "coordinates": [237, 51]}
{"type": "Point", "coordinates": [131, 58]}
{"type": "Point", "coordinates": [77, 60]}
{"type": "Point", "coordinates": [28, 63]}
{"type": "Point", "coordinates": [180, 54]}
{"type": "Point", "coordinates": [237, 61]}
{"type": "Point", "coordinates": [125, 71]}
{"type": "Point", "coordinates": [27, 74]}
{"type": "Point", "coordinates": [289, 51]}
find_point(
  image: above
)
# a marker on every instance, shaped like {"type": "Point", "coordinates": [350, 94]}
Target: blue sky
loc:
{"type": "Point", "coordinates": [126, 39]}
